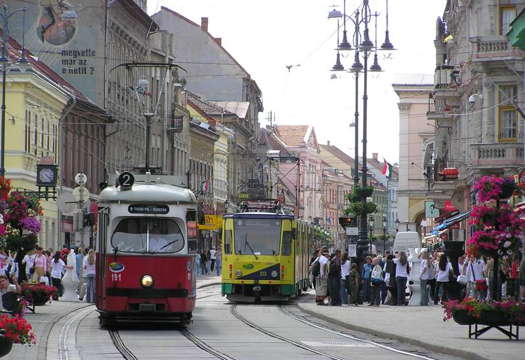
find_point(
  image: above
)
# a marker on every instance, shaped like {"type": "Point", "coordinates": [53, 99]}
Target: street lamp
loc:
{"type": "Point", "coordinates": [384, 234]}
{"type": "Point", "coordinates": [363, 47]}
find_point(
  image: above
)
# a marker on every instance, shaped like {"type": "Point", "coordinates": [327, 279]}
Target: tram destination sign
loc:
{"type": "Point", "coordinates": [149, 209]}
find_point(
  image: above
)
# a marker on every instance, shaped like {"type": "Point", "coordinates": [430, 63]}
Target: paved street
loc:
{"type": "Point", "coordinates": [297, 330]}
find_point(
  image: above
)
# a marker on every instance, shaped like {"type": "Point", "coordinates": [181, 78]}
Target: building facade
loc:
{"type": "Point", "coordinates": [416, 137]}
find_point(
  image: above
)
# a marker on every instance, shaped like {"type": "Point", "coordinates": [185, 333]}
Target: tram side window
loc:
{"type": "Point", "coordinates": [287, 243]}
{"type": "Point", "coordinates": [227, 241]}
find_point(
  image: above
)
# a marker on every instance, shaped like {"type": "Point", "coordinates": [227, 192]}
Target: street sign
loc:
{"type": "Point", "coordinates": [352, 250]}
{"type": "Point", "coordinates": [352, 231]}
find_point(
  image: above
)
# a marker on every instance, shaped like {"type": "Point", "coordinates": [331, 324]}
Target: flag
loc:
{"type": "Point", "coordinates": [388, 169]}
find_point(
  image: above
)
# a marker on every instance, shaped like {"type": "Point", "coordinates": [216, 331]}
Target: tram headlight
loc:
{"type": "Point", "coordinates": [146, 281]}
{"type": "Point", "coordinates": [238, 273]}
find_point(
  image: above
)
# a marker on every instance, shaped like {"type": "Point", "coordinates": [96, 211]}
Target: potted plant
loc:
{"type": "Point", "coordinates": [14, 330]}
{"type": "Point", "coordinates": [38, 294]}
{"type": "Point", "coordinates": [471, 311]}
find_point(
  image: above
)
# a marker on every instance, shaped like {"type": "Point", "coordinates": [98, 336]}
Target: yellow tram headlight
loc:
{"type": "Point", "coordinates": [146, 281]}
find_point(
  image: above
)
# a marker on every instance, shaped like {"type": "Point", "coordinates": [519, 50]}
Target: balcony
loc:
{"type": "Point", "coordinates": [494, 48]}
{"type": "Point", "coordinates": [496, 155]}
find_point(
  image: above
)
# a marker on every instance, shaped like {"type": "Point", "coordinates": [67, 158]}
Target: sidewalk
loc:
{"type": "Point", "coordinates": [44, 318]}
{"type": "Point", "coordinates": [419, 325]}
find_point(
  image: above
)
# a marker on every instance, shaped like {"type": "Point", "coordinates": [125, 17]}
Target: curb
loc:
{"type": "Point", "coordinates": [386, 335]}
{"type": "Point", "coordinates": [209, 284]}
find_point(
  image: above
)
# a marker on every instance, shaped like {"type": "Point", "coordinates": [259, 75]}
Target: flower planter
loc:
{"type": "Point", "coordinates": [462, 317]}
{"type": "Point", "coordinates": [493, 318]}
{"type": "Point", "coordinates": [5, 346]}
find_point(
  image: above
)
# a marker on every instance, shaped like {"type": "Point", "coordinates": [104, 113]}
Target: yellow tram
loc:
{"type": "Point", "coordinates": [265, 256]}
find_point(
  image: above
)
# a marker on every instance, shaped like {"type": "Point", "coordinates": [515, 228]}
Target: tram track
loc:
{"type": "Point", "coordinates": [300, 345]}
{"type": "Point", "coordinates": [284, 309]}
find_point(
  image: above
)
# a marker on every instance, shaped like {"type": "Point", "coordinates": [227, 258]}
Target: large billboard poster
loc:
{"type": "Point", "coordinates": [68, 36]}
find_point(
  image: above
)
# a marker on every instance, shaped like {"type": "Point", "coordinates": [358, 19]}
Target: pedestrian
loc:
{"type": "Point", "coordinates": [366, 272]}
{"type": "Point", "coordinates": [89, 274]}
{"type": "Point", "coordinates": [345, 273]}
{"type": "Point", "coordinates": [402, 271]}
{"type": "Point", "coordinates": [425, 267]}
{"type": "Point", "coordinates": [443, 276]}
{"type": "Point", "coordinates": [57, 271]}
{"type": "Point", "coordinates": [208, 260]}
{"type": "Point", "coordinates": [28, 263]}
{"type": "Point", "coordinates": [476, 276]}
{"type": "Point", "coordinates": [313, 260]}
{"type": "Point", "coordinates": [8, 303]}
{"type": "Point", "coordinates": [334, 279]}
{"type": "Point", "coordinates": [321, 281]}
{"type": "Point", "coordinates": [198, 268]}
{"type": "Point", "coordinates": [40, 265]}
{"type": "Point", "coordinates": [12, 267]}
{"type": "Point", "coordinates": [354, 282]}
{"type": "Point", "coordinates": [204, 267]}
{"type": "Point", "coordinates": [390, 280]}
{"type": "Point", "coordinates": [218, 262]}
{"type": "Point", "coordinates": [213, 258]}
{"type": "Point", "coordinates": [376, 280]}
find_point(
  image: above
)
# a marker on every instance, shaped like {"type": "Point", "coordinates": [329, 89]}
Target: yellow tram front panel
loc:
{"type": "Point", "coordinates": [258, 255]}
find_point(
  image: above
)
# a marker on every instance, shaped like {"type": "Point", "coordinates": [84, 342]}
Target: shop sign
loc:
{"type": "Point", "coordinates": [211, 222]}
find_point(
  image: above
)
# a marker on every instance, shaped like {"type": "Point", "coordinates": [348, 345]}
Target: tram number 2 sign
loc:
{"type": "Point", "coordinates": [126, 180]}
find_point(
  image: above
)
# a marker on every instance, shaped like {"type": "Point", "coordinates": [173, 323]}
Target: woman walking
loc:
{"type": "Point", "coordinates": [321, 281]}
{"type": "Point", "coordinates": [402, 271]}
{"type": "Point", "coordinates": [426, 274]}
{"type": "Point", "coordinates": [443, 277]}
{"type": "Point", "coordinates": [40, 265]}
{"type": "Point", "coordinates": [376, 283]}
{"type": "Point", "coordinates": [57, 270]}
{"type": "Point", "coordinates": [89, 274]}
{"type": "Point", "coordinates": [345, 273]}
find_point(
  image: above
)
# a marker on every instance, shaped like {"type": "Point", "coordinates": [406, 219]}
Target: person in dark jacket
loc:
{"type": "Point", "coordinates": [334, 279]}
{"type": "Point", "coordinates": [390, 269]}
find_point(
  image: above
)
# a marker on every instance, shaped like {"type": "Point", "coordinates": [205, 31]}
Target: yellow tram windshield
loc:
{"type": "Point", "coordinates": [257, 236]}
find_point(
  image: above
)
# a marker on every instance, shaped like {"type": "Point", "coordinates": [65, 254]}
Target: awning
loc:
{"type": "Point", "coordinates": [450, 221]}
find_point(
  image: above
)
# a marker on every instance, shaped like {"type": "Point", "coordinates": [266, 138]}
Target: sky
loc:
{"type": "Point", "coordinates": [265, 36]}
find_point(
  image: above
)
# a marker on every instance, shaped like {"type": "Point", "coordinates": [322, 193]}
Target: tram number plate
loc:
{"type": "Point", "coordinates": [149, 209]}
{"type": "Point", "coordinates": [263, 273]}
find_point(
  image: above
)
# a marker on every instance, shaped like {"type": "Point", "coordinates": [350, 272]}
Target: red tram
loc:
{"type": "Point", "coordinates": [144, 270]}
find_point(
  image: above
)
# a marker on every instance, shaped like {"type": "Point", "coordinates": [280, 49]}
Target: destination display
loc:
{"type": "Point", "coordinates": [149, 209]}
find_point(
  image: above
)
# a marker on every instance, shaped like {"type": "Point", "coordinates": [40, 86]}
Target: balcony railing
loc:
{"type": "Point", "coordinates": [488, 155]}
{"type": "Point", "coordinates": [494, 47]}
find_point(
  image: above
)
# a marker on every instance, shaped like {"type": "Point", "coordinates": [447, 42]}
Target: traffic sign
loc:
{"type": "Point", "coordinates": [352, 231]}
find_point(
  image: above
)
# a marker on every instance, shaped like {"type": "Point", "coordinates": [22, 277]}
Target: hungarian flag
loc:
{"type": "Point", "coordinates": [388, 169]}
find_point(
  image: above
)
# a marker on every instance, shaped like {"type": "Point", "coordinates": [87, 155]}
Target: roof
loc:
{"type": "Point", "coordinates": [334, 150]}
{"type": "Point", "coordinates": [239, 108]}
{"type": "Point", "coordinates": [266, 136]}
{"type": "Point", "coordinates": [214, 40]}
{"type": "Point", "coordinates": [134, 9]}
{"type": "Point", "coordinates": [292, 135]}
{"type": "Point", "coordinates": [148, 193]}
{"type": "Point", "coordinates": [209, 107]}
{"type": "Point", "coordinates": [414, 79]}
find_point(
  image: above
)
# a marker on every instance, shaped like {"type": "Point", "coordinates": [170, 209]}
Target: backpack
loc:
{"type": "Point", "coordinates": [316, 268]}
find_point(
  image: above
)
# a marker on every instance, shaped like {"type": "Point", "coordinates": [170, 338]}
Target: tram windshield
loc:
{"type": "Point", "coordinates": [148, 235]}
{"type": "Point", "coordinates": [257, 236]}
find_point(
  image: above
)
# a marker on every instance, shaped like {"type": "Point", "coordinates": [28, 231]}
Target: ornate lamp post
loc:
{"type": "Point", "coordinates": [363, 48]}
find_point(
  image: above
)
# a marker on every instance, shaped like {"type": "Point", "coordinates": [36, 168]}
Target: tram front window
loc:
{"type": "Point", "coordinates": [148, 235]}
{"type": "Point", "coordinates": [257, 236]}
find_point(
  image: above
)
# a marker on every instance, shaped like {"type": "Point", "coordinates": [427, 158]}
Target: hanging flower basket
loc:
{"type": "Point", "coordinates": [365, 191]}
{"type": "Point", "coordinates": [358, 208]}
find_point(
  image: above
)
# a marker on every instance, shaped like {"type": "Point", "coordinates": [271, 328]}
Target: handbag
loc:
{"type": "Point", "coordinates": [462, 279]}
{"type": "Point", "coordinates": [481, 284]}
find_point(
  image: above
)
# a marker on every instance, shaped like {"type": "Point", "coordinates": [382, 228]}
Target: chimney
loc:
{"type": "Point", "coordinates": [375, 156]}
{"type": "Point", "coordinates": [218, 41]}
{"type": "Point", "coordinates": [204, 24]}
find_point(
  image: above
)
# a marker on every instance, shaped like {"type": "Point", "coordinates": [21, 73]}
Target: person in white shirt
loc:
{"type": "Point", "coordinates": [345, 272]}
{"type": "Point", "coordinates": [444, 270]}
{"type": "Point", "coordinates": [213, 258]}
{"type": "Point", "coordinates": [426, 274]}
{"type": "Point", "coordinates": [476, 270]}
{"type": "Point", "coordinates": [376, 279]}
{"type": "Point", "coordinates": [29, 262]}
{"type": "Point", "coordinates": [321, 282]}
{"type": "Point", "coordinates": [57, 270]}
{"type": "Point", "coordinates": [402, 271]}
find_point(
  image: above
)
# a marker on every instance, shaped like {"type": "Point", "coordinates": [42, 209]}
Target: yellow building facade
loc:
{"type": "Point", "coordinates": [34, 106]}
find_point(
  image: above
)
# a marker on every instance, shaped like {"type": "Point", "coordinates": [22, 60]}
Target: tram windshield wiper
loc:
{"type": "Point", "coordinates": [170, 243]}
{"type": "Point", "coordinates": [246, 243]}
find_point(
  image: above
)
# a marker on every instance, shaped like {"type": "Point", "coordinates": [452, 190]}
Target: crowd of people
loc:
{"type": "Point", "coordinates": [385, 279]}
{"type": "Point", "coordinates": [49, 267]}
{"type": "Point", "coordinates": [208, 262]}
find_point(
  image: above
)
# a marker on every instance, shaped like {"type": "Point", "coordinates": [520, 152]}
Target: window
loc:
{"type": "Point", "coordinates": [507, 115]}
{"type": "Point", "coordinates": [257, 236]}
{"type": "Point", "coordinates": [287, 243]}
{"type": "Point", "coordinates": [148, 235]}
{"type": "Point", "coordinates": [227, 241]}
{"type": "Point", "coordinates": [506, 15]}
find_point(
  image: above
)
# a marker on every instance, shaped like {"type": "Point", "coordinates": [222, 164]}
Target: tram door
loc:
{"type": "Point", "coordinates": [103, 223]}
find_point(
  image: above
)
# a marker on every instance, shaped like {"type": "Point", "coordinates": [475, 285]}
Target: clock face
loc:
{"type": "Point", "coordinates": [46, 175]}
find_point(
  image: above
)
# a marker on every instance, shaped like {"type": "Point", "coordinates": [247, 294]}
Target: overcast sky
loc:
{"type": "Point", "coordinates": [267, 35]}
